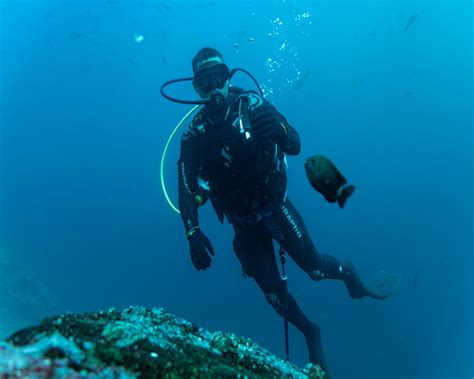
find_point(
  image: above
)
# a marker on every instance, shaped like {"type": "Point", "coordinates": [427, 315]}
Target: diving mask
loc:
{"type": "Point", "coordinates": [211, 78]}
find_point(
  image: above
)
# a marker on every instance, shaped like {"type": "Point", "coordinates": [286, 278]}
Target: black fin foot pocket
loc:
{"type": "Point", "coordinates": [315, 349]}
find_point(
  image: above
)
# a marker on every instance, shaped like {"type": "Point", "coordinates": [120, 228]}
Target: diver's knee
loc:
{"type": "Point", "coordinates": [271, 298]}
{"type": "Point", "coordinates": [329, 269]}
{"type": "Point", "coordinates": [316, 275]}
{"type": "Point", "coordinates": [274, 300]}
{"type": "Point", "coordinates": [315, 330]}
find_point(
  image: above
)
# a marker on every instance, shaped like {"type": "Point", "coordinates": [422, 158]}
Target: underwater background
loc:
{"type": "Point", "coordinates": [384, 88]}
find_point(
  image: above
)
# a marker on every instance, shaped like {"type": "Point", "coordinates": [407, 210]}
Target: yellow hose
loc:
{"type": "Point", "coordinates": [162, 164]}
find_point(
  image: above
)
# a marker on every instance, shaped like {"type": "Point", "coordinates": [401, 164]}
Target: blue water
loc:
{"type": "Point", "coordinates": [83, 127]}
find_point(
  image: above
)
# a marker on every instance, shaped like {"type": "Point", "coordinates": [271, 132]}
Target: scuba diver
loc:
{"type": "Point", "coordinates": [233, 153]}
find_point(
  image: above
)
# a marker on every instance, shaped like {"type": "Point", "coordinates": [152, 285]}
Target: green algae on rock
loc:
{"type": "Point", "coordinates": [138, 342]}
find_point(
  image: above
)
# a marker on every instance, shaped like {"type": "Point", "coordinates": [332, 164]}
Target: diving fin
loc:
{"type": "Point", "coordinates": [344, 194]}
{"type": "Point", "coordinates": [315, 349]}
{"type": "Point", "coordinates": [380, 287]}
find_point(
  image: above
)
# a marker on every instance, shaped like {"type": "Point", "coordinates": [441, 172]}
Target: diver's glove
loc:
{"type": "Point", "coordinates": [200, 248]}
{"type": "Point", "coordinates": [267, 123]}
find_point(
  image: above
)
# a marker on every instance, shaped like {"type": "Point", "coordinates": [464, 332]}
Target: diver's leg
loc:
{"type": "Point", "coordinates": [300, 247]}
{"type": "Point", "coordinates": [310, 330]}
{"type": "Point", "coordinates": [254, 248]}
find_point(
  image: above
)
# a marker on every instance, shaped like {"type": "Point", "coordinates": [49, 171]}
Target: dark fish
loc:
{"type": "Point", "coordinates": [302, 80]}
{"type": "Point", "coordinates": [164, 60]}
{"type": "Point", "coordinates": [325, 178]}
{"type": "Point", "coordinates": [242, 33]}
{"type": "Point", "coordinates": [408, 93]}
{"type": "Point", "coordinates": [165, 6]}
{"type": "Point", "coordinates": [410, 22]}
{"type": "Point", "coordinates": [94, 30]}
{"type": "Point", "coordinates": [416, 278]}
{"type": "Point", "coordinates": [76, 35]}
{"type": "Point", "coordinates": [357, 86]}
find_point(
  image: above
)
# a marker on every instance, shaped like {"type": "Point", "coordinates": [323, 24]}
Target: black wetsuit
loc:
{"type": "Point", "coordinates": [247, 181]}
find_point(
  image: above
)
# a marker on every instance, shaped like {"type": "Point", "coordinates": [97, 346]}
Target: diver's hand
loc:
{"type": "Point", "coordinates": [267, 124]}
{"type": "Point", "coordinates": [201, 250]}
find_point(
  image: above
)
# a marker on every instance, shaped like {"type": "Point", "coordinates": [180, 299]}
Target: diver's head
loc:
{"type": "Point", "coordinates": [210, 73]}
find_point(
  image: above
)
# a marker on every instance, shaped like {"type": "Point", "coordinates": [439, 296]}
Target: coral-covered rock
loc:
{"type": "Point", "coordinates": [137, 343]}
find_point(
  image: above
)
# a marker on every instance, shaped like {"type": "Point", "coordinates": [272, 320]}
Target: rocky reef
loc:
{"type": "Point", "coordinates": [137, 342]}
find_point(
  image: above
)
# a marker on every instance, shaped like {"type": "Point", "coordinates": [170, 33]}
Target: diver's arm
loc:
{"type": "Point", "coordinates": [288, 139]}
{"type": "Point", "coordinates": [188, 171]}
{"type": "Point", "coordinates": [292, 144]}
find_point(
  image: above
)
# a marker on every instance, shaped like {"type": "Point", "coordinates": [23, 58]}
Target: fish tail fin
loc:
{"type": "Point", "coordinates": [345, 193]}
